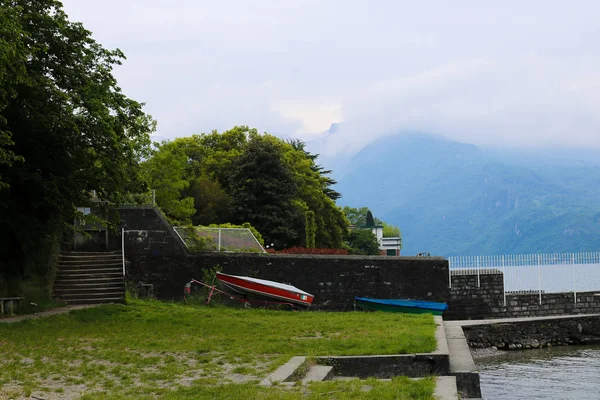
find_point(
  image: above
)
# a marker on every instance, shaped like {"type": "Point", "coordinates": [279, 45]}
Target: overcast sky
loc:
{"type": "Point", "coordinates": [509, 73]}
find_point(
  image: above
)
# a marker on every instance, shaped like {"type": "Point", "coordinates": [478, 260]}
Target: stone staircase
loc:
{"type": "Point", "coordinates": [90, 278]}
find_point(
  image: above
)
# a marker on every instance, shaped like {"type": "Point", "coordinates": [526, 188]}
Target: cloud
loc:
{"type": "Point", "coordinates": [507, 73]}
{"type": "Point", "coordinates": [531, 101]}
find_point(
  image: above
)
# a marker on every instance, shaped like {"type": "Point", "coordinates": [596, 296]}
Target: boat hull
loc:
{"type": "Point", "coordinates": [402, 306]}
{"type": "Point", "coordinates": [265, 290]}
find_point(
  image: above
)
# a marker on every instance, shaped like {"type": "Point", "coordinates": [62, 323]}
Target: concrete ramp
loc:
{"type": "Point", "coordinates": [317, 373]}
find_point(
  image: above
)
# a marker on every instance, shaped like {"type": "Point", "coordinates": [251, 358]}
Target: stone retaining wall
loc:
{"type": "Point", "coordinates": [154, 256]}
{"type": "Point", "coordinates": [534, 334]}
{"type": "Point", "coordinates": [470, 301]}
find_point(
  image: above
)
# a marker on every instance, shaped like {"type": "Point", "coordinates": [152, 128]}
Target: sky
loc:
{"type": "Point", "coordinates": [504, 73]}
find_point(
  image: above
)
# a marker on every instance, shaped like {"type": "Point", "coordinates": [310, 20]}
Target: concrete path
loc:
{"type": "Point", "coordinates": [54, 311]}
{"type": "Point", "coordinates": [445, 388]}
{"type": "Point", "coordinates": [471, 322]}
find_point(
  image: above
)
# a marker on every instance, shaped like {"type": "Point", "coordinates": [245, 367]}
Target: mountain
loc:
{"type": "Point", "coordinates": [451, 198]}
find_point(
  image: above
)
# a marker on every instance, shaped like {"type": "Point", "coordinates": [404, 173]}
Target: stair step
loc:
{"type": "Point", "coordinates": [69, 282]}
{"type": "Point", "coordinates": [116, 268]}
{"type": "Point", "coordinates": [118, 264]}
{"type": "Point", "coordinates": [89, 295]}
{"type": "Point", "coordinates": [88, 253]}
{"type": "Point", "coordinates": [96, 301]}
{"type": "Point", "coordinates": [86, 261]}
{"type": "Point", "coordinates": [84, 273]}
{"type": "Point", "coordinates": [90, 284]}
{"type": "Point", "coordinates": [91, 261]}
{"type": "Point", "coordinates": [317, 373]}
{"type": "Point", "coordinates": [69, 290]}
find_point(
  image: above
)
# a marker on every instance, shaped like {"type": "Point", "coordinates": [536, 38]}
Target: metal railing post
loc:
{"type": "Point", "coordinates": [449, 272]}
{"type": "Point", "coordinates": [123, 248]}
{"type": "Point", "coordinates": [504, 280]}
{"type": "Point", "coordinates": [540, 278]}
{"type": "Point", "coordinates": [574, 278]}
{"type": "Point", "coordinates": [478, 278]}
{"type": "Point", "coordinates": [219, 244]}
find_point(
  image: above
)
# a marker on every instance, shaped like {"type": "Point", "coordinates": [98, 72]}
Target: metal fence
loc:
{"type": "Point", "coordinates": [538, 273]}
{"type": "Point", "coordinates": [239, 240]}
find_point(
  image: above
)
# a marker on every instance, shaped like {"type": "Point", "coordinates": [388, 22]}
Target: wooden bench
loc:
{"type": "Point", "coordinates": [10, 302]}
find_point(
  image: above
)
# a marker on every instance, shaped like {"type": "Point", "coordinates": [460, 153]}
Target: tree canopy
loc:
{"type": "Point", "coordinates": [363, 242]}
{"type": "Point", "coordinates": [242, 176]}
{"type": "Point", "coordinates": [65, 127]}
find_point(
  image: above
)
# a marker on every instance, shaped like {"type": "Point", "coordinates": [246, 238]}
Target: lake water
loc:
{"type": "Point", "coordinates": [569, 372]}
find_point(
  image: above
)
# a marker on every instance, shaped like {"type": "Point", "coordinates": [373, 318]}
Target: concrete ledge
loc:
{"type": "Point", "coordinates": [461, 362]}
{"type": "Point", "coordinates": [440, 336]}
{"type": "Point", "coordinates": [445, 388]}
{"type": "Point", "coordinates": [388, 366]}
{"type": "Point", "coordinates": [285, 372]}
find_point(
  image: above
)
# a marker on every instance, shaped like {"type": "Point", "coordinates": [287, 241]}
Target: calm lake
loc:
{"type": "Point", "coordinates": [569, 372]}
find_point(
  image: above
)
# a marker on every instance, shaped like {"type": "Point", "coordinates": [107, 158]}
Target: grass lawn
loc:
{"type": "Point", "coordinates": [152, 349]}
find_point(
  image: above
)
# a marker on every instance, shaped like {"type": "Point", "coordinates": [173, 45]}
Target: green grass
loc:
{"type": "Point", "coordinates": [168, 350]}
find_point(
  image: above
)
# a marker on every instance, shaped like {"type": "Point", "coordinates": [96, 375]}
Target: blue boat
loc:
{"type": "Point", "coordinates": [401, 305]}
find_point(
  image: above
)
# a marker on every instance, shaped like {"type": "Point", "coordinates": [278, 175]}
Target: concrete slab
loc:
{"type": "Point", "coordinates": [284, 372]}
{"type": "Point", "coordinates": [440, 336]}
{"type": "Point", "coordinates": [460, 354]}
{"type": "Point", "coordinates": [462, 365]}
{"type": "Point", "coordinates": [445, 388]}
{"type": "Point", "coordinates": [317, 373]}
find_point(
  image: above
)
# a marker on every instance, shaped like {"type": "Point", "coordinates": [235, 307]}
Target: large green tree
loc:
{"type": "Point", "coordinates": [263, 190]}
{"type": "Point", "coordinates": [315, 194]}
{"type": "Point", "coordinates": [163, 172]}
{"type": "Point", "coordinates": [213, 173]}
{"type": "Point", "coordinates": [65, 128]}
{"type": "Point", "coordinates": [211, 202]}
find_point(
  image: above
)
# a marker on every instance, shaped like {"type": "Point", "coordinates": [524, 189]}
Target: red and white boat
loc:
{"type": "Point", "coordinates": [262, 288]}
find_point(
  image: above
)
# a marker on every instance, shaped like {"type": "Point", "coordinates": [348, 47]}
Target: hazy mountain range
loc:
{"type": "Point", "coordinates": [452, 198]}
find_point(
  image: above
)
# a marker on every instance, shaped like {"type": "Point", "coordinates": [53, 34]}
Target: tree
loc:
{"type": "Point", "coordinates": [213, 160]}
{"type": "Point", "coordinates": [11, 70]}
{"type": "Point", "coordinates": [163, 172]}
{"type": "Point", "coordinates": [63, 115]}
{"type": "Point", "coordinates": [356, 216]}
{"type": "Point", "coordinates": [263, 190]}
{"type": "Point", "coordinates": [325, 181]}
{"type": "Point", "coordinates": [363, 242]}
{"type": "Point", "coordinates": [211, 203]}
{"type": "Point", "coordinates": [311, 229]}
{"type": "Point", "coordinates": [313, 195]}
{"type": "Point", "coordinates": [370, 222]}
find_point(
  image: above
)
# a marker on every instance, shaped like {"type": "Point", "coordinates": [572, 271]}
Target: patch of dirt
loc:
{"type": "Point", "coordinates": [68, 384]}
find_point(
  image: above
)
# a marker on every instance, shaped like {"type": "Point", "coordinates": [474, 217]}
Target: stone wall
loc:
{"type": "Point", "coordinates": [155, 256]}
{"type": "Point", "coordinates": [475, 298]}
{"type": "Point", "coordinates": [468, 301]}
{"type": "Point", "coordinates": [528, 305]}
{"type": "Point", "coordinates": [534, 334]}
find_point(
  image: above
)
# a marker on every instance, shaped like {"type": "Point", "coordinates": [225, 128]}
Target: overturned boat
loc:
{"type": "Point", "coordinates": [264, 289]}
{"type": "Point", "coordinates": [402, 305]}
